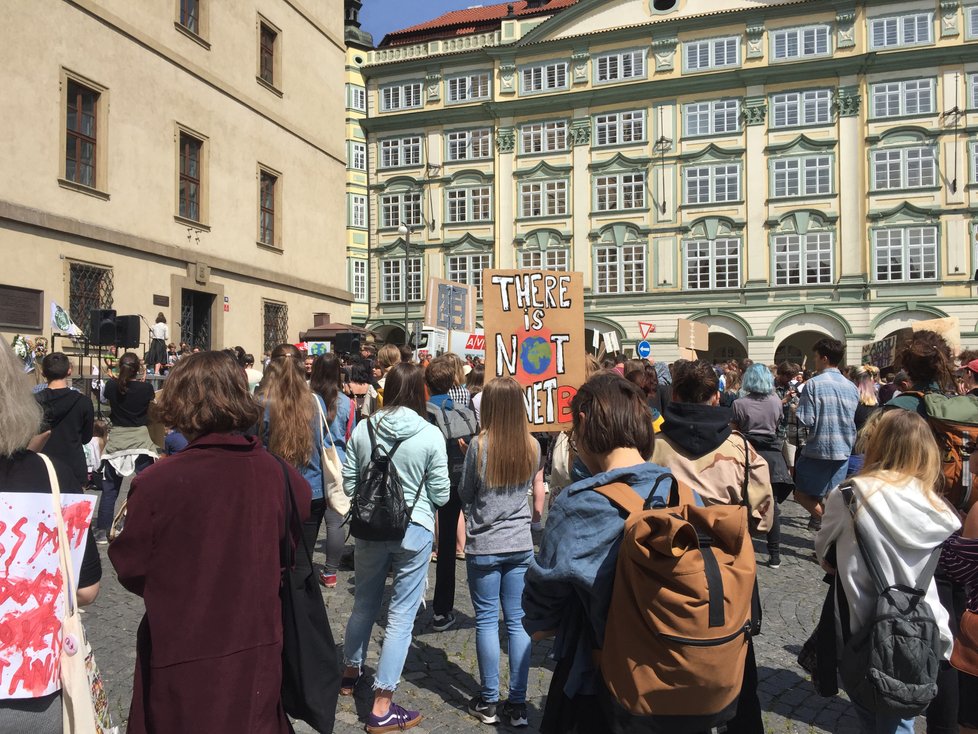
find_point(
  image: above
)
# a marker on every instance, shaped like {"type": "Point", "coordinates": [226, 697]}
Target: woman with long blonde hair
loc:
{"type": "Point", "coordinates": [291, 429]}
{"type": "Point", "coordinates": [902, 521]}
{"type": "Point", "coordinates": [500, 467]}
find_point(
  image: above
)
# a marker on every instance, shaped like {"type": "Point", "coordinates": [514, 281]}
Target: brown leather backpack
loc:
{"type": "Point", "coordinates": [678, 626]}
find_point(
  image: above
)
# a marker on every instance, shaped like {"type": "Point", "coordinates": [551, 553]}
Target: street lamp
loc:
{"type": "Point", "coordinates": [405, 233]}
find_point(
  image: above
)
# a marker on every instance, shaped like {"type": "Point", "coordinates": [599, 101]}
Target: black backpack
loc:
{"type": "Point", "coordinates": [890, 666]}
{"type": "Point", "coordinates": [378, 510]}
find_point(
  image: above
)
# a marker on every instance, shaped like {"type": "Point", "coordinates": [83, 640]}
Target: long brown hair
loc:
{"type": "Point", "coordinates": [404, 388]}
{"type": "Point", "coordinates": [325, 382]}
{"type": "Point", "coordinates": [900, 446]}
{"type": "Point", "coordinates": [512, 456]}
{"type": "Point", "coordinates": [128, 370]}
{"type": "Point", "coordinates": [284, 391]}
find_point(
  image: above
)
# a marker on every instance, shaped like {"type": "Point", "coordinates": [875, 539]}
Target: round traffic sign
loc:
{"type": "Point", "coordinates": [644, 349]}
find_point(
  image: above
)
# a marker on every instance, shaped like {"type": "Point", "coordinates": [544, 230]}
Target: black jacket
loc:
{"type": "Point", "coordinates": [69, 415]}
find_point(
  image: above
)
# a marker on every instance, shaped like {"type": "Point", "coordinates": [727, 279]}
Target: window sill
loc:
{"type": "Point", "coordinates": [402, 109]}
{"type": "Point", "coordinates": [796, 59]}
{"type": "Point", "coordinates": [802, 126]}
{"type": "Point", "coordinates": [406, 167]}
{"type": "Point", "coordinates": [185, 221]}
{"type": "Point", "coordinates": [905, 191]}
{"type": "Point", "coordinates": [544, 218]}
{"type": "Point", "coordinates": [471, 223]}
{"type": "Point", "coordinates": [713, 204]}
{"type": "Point", "coordinates": [270, 87]}
{"type": "Point", "coordinates": [459, 102]}
{"type": "Point", "coordinates": [277, 249]}
{"type": "Point", "coordinates": [887, 119]}
{"type": "Point", "coordinates": [711, 136]}
{"type": "Point", "coordinates": [618, 212]}
{"type": "Point", "coordinates": [83, 189]}
{"type": "Point", "coordinates": [618, 146]}
{"type": "Point", "coordinates": [624, 80]}
{"type": "Point", "coordinates": [544, 153]}
{"type": "Point", "coordinates": [725, 67]}
{"type": "Point", "coordinates": [799, 197]}
{"type": "Point", "coordinates": [462, 161]}
{"type": "Point", "coordinates": [191, 35]}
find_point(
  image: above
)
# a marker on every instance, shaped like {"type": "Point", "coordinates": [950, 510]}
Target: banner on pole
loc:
{"type": "Point", "coordinates": [534, 325]}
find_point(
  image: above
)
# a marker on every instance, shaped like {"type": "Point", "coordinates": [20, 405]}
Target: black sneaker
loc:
{"type": "Point", "coordinates": [483, 710]}
{"type": "Point", "coordinates": [815, 523]}
{"type": "Point", "coordinates": [774, 560]}
{"type": "Point", "coordinates": [442, 622]}
{"type": "Point", "coordinates": [515, 713]}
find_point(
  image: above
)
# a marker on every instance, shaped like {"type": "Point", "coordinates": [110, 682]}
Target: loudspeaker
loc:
{"type": "Point", "coordinates": [346, 343]}
{"type": "Point", "coordinates": [101, 327]}
{"type": "Point", "coordinates": [127, 331]}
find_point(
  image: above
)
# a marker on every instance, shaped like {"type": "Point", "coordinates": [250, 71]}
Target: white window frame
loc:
{"type": "Point", "coordinates": [619, 191]}
{"type": "Point", "coordinates": [708, 177]}
{"type": "Point", "coordinates": [706, 52]}
{"type": "Point", "coordinates": [550, 196]}
{"type": "Point", "coordinates": [620, 269]}
{"type": "Point", "coordinates": [798, 253]}
{"type": "Point", "coordinates": [800, 39]}
{"type": "Point", "coordinates": [358, 156]}
{"type": "Point", "coordinates": [468, 87]}
{"type": "Point", "coordinates": [468, 145]}
{"type": "Point", "coordinates": [971, 23]}
{"type": "Point", "coordinates": [918, 243]}
{"type": "Point", "coordinates": [711, 117]}
{"type": "Point", "coordinates": [801, 109]}
{"type": "Point", "coordinates": [973, 150]}
{"type": "Point", "coordinates": [713, 253]}
{"type": "Point", "coordinates": [884, 94]}
{"type": "Point", "coordinates": [393, 281]}
{"type": "Point", "coordinates": [973, 85]}
{"type": "Point", "coordinates": [909, 167]}
{"type": "Point", "coordinates": [802, 175]}
{"type": "Point", "coordinates": [896, 30]}
{"type": "Point", "coordinates": [357, 98]}
{"type": "Point", "coordinates": [626, 127]}
{"type": "Point", "coordinates": [402, 96]}
{"type": "Point", "coordinates": [403, 206]}
{"type": "Point", "coordinates": [467, 269]}
{"type": "Point", "coordinates": [468, 204]}
{"type": "Point", "coordinates": [400, 152]}
{"type": "Point", "coordinates": [554, 259]}
{"type": "Point", "coordinates": [358, 279]}
{"type": "Point", "coordinates": [358, 211]}
{"type": "Point", "coordinates": [619, 66]}
{"type": "Point", "coordinates": [544, 136]}
{"type": "Point", "coordinates": [551, 76]}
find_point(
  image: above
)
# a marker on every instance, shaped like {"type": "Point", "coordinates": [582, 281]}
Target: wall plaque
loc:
{"type": "Point", "coordinates": [21, 308]}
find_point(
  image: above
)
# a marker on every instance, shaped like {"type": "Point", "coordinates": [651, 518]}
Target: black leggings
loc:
{"type": "Point", "coordinates": [942, 713]}
{"type": "Point", "coordinates": [111, 484]}
{"type": "Point", "coordinates": [444, 599]}
{"type": "Point", "coordinates": [774, 534]}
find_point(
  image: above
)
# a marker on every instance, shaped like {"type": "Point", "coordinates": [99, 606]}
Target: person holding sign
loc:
{"type": "Point", "coordinates": [30, 683]}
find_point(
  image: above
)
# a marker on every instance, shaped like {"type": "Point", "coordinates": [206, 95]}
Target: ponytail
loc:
{"type": "Point", "coordinates": [128, 370]}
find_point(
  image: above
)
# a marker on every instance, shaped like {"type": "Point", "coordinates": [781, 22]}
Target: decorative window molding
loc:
{"type": "Point", "coordinates": [755, 111]}
{"type": "Point", "coordinates": [904, 168]}
{"type": "Point", "coordinates": [755, 41]}
{"type": "Point", "coordinates": [971, 23]}
{"type": "Point", "coordinates": [625, 127]}
{"type": "Point", "coordinates": [358, 156]}
{"type": "Point", "coordinates": [711, 184]}
{"type": "Point", "coordinates": [468, 88]}
{"type": "Point", "coordinates": [805, 175]}
{"type": "Point", "coordinates": [358, 211]}
{"type": "Point", "coordinates": [619, 261]}
{"type": "Point", "coordinates": [468, 204]}
{"type": "Point", "coordinates": [619, 191]}
{"type": "Point", "coordinates": [400, 152]}
{"type": "Point", "coordinates": [358, 279]}
{"type": "Point", "coordinates": [905, 254]}
{"type": "Point", "coordinates": [432, 83]}
{"type": "Point", "coordinates": [356, 98]}
{"type": "Point", "coordinates": [581, 131]}
{"type": "Point", "coordinates": [403, 207]}
{"type": "Point", "coordinates": [845, 29]}
{"type": "Point", "coordinates": [848, 101]}
{"type": "Point", "coordinates": [548, 136]}
{"type": "Point", "coordinates": [712, 264]}
{"type": "Point", "coordinates": [506, 140]}
{"type": "Point", "coordinates": [394, 279]}
{"type": "Point", "coordinates": [949, 18]}
{"type": "Point", "coordinates": [664, 51]}
{"type": "Point", "coordinates": [543, 198]}
{"type": "Point", "coordinates": [467, 269]}
{"type": "Point", "coordinates": [579, 60]}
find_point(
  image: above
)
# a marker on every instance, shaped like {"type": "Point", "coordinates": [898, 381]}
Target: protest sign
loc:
{"type": "Point", "coordinates": [450, 305]}
{"type": "Point", "coordinates": [534, 324]}
{"type": "Point", "coordinates": [692, 335]}
{"type": "Point", "coordinates": [32, 590]}
{"type": "Point", "coordinates": [882, 353]}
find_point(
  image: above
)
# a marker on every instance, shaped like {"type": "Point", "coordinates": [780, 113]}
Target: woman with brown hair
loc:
{"type": "Point", "coordinates": [201, 546]}
{"type": "Point", "coordinates": [291, 429]}
{"type": "Point", "coordinates": [129, 448]}
{"type": "Point", "coordinates": [499, 471]}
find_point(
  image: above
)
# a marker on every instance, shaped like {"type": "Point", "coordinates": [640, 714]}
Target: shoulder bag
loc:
{"type": "Point", "coordinates": [310, 666]}
{"type": "Point", "coordinates": [84, 703]}
{"type": "Point", "coordinates": [332, 469]}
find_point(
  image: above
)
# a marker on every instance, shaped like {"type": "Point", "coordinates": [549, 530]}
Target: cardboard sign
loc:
{"type": "Point", "coordinates": [882, 353]}
{"type": "Point", "coordinates": [535, 333]}
{"type": "Point", "coordinates": [692, 335]}
{"type": "Point", "coordinates": [450, 305]}
{"type": "Point", "coordinates": [949, 328]}
{"type": "Point", "coordinates": [32, 589]}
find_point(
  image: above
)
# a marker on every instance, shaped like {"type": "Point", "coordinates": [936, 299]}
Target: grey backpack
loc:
{"type": "Point", "coordinates": [890, 666]}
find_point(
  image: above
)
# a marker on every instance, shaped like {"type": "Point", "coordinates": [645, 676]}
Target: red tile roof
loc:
{"type": "Point", "coordinates": [472, 20]}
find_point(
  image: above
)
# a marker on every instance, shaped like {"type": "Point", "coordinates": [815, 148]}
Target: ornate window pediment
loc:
{"type": "Point", "coordinates": [543, 239]}
{"type": "Point", "coordinates": [710, 228]}
{"type": "Point", "coordinates": [803, 144]}
{"type": "Point", "coordinates": [713, 152]}
{"type": "Point", "coordinates": [804, 221]}
{"type": "Point", "coordinates": [541, 171]}
{"type": "Point", "coordinates": [621, 164]}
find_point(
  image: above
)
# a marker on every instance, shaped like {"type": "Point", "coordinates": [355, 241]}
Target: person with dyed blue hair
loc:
{"type": "Point", "coordinates": [756, 414]}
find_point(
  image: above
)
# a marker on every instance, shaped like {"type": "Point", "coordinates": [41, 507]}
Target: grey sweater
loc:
{"type": "Point", "coordinates": [497, 519]}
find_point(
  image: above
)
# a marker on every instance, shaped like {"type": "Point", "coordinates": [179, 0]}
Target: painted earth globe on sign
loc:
{"type": "Point", "coordinates": [535, 355]}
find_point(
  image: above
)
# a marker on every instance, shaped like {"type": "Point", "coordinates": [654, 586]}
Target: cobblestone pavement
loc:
{"type": "Point", "coordinates": [441, 672]}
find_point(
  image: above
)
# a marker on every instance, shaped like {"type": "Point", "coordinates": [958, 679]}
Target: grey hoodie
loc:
{"type": "Point", "coordinates": [420, 459]}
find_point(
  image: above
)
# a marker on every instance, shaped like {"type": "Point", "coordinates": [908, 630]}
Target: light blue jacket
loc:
{"type": "Point", "coordinates": [420, 460]}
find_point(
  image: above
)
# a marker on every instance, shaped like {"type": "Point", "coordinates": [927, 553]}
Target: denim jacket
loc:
{"type": "Point", "coordinates": [568, 585]}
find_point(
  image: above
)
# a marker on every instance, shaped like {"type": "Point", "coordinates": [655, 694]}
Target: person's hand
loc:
{"type": "Point", "coordinates": [463, 446]}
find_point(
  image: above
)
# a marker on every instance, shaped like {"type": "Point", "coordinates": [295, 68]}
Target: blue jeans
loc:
{"type": "Point", "coordinates": [409, 558]}
{"type": "Point", "coordinates": [873, 723]}
{"type": "Point", "coordinates": [495, 580]}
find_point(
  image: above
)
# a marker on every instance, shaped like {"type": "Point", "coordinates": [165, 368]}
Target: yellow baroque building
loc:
{"type": "Point", "coordinates": [177, 156]}
{"type": "Point", "coordinates": [779, 170]}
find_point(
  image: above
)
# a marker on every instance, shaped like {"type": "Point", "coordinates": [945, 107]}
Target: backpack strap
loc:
{"type": "Point", "coordinates": [622, 496]}
{"type": "Point", "coordinates": [871, 563]}
{"type": "Point", "coordinates": [349, 420]}
{"type": "Point", "coordinates": [373, 442]}
{"type": "Point", "coordinates": [744, 500]}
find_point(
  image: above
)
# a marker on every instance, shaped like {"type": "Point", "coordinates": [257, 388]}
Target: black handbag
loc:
{"type": "Point", "coordinates": [819, 655]}
{"type": "Point", "coordinates": [310, 666]}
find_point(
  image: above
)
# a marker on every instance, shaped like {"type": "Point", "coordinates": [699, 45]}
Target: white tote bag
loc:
{"type": "Point", "coordinates": [329, 459]}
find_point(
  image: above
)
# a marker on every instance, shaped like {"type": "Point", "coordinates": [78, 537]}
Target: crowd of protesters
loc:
{"type": "Point", "coordinates": [474, 481]}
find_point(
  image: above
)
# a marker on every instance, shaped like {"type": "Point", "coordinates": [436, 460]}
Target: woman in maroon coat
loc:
{"type": "Point", "coordinates": [201, 546]}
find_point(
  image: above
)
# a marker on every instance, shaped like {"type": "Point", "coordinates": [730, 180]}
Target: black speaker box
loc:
{"type": "Point", "coordinates": [127, 331]}
{"type": "Point", "coordinates": [346, 343]}
{"type": "Point", "coordinates": [101, 327]}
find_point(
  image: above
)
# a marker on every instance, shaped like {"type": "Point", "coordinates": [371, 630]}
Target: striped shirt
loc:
{"type": "Point", "coordinates": [827, 407]}
{"type": "Point", "coordinates": [959, 560]}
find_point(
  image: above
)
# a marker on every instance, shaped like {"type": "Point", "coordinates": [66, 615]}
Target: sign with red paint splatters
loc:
{"type": "Point", "coordinates": [31, 588]}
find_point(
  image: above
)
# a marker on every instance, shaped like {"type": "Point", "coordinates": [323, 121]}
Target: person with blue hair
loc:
{"type": "Point", "coordinates": [756, 414]}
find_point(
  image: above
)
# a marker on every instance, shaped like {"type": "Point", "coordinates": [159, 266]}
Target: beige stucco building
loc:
{"type": "Point", "coordinates": [176, 156]}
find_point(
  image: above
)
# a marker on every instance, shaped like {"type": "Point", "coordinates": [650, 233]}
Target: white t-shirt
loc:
{"type": "Point", "coordinates": [159, 331]}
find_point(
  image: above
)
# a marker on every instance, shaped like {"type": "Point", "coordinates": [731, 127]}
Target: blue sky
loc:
{"type": "Point", "coordinates": [383, 16]}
